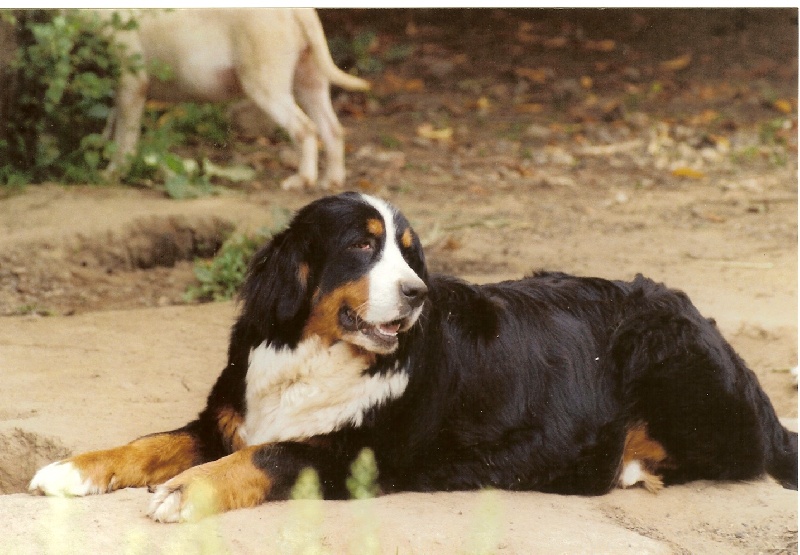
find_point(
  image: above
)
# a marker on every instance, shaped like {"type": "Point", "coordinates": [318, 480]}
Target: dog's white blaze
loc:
{"type": "Point", "coordinates": [62, 479]}
{"type": "Point", "coordinates": [313, 389]}
{"type": "Point", "coordinates": [389, 272]}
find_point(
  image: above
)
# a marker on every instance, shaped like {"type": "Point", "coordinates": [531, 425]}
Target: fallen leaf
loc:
{"type": "Point", "coordinates": [366, 185]}
{"type": "Point", "coordinates": [707, 92]}
{"type": "Point", "coordinates": [783, 106]}
{"type": "Point", "coordinates": [723, 143]}
{"type": "Point", "coordinates": [392, 83]}
{"type": "Point", "coordinates": [705, 117]}
{"type": "Point", "coordinates": [709, 216]}
{"type": "Point", "coordinates": [483, 104]}
{"type": "Point", "coordinates": [555, 42]}
{"type": "Point", "coordinates": [158, 105]}
{"type": "Point", "coordinates": [427, 131]}
{"type": "Point", "coordinates": [235, 172]}
{"type": "Point", "coordinates": [604, 45]}
{"type": "Point", "coordinates": [527, 38]}
{"type": "Point", "coordinates": [529, 108]}
{"type": "Point", "coordinates": [602, 67]}
{"type": "Point", "coordinates": [414, 85]}
{"type": "Point", "coordinates": [452, 244]}
{"type": "Point", "coordinates": [689, 173]}
{"type": "Point", "coordinates": [535, 75]}
{"type": "Point", "coordinates": [677, 64]}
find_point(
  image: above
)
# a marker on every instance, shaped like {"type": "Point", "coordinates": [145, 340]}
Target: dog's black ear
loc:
{"type": "Point", "coordinates": [275, 293]}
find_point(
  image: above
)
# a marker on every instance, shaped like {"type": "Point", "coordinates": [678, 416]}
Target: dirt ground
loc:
{"type": "Point", "coordinates": [603, 143]}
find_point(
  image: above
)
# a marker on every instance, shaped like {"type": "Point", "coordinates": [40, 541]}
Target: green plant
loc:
{"type": "Point", "coordinates": [60, 88]}
{"type": "Point", "coordinates": [167, 128]}
{"type": "Point", "coordinates": [33, 309]}
{"type": "Point", "coordinates": [362, 51]}
{"type": "Point", "coordinates": [390, 141]}
{"type": "Point", "coordinates": [363, 480]}
{"type": "Point", "coordinates": [218, 279]}
{"type": "Point", "coordinates": [770, 131]}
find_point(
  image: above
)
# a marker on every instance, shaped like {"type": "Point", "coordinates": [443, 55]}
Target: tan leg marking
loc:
{"type": "Point", "coordinates": [232, 482]}
{"type": "Point", "coordinates": [145, 461]}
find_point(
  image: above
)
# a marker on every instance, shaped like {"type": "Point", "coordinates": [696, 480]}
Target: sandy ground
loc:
{"type": "Point", "coordinates": [681, 168]}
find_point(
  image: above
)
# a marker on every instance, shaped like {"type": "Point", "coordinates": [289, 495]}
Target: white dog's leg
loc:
{"type": "Point", "coordinates": [131, 97]}
{"type": "Point", "coordinates": [286, 113]}
{"type": "Point", "coordinates": [269, 86]}
{"type": "Point", "coordinates": [314, 96]}
{"type": "Point", "coordinates": [128, 106]}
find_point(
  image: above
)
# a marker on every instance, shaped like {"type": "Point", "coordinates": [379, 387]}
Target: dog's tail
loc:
{"type": "Point", "coordinates": [312, 28]}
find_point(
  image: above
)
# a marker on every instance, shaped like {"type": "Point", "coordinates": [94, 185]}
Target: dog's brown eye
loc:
{"type": "Point", "coordinates": [365, 245]}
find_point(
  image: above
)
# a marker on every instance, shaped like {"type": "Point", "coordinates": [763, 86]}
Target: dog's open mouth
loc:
{"type": "Point", "coordinates": [384, 334]}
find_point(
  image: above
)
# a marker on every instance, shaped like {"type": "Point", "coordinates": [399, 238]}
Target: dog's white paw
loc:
{"type": "Point", "coordinates": [62, 479]}
{"type": "Point", "coordinates": [167, 505]}
{"type": "Point", "coordinates": [188, 497]}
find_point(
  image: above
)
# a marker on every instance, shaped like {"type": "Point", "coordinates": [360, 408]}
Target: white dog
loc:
{"type": "Point", "coordinates": [224, 54]}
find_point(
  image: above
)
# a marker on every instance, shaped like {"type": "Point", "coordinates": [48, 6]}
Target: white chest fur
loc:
{"type": "Point", "coordinates": [312, 389]}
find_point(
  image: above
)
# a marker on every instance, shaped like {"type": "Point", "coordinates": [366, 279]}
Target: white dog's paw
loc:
{"type": "Point", "coordinates": [295, 182]}
{"type": "Point", "coordinates": [331, 183]}
{"type": "Point", "coordinates": [62, 479]}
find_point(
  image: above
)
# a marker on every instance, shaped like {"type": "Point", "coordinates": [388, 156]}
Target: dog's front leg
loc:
{"type": "Point", "coordinates": [127, 124]}
{"type": "Point", "coordinates": [148, 460]}
{"type": "Point", "coordinates": [243, 479]}
{"type": "Point", "coordinates": [231, 482]}
{"type": "Point", "coordinates": [129, 102]}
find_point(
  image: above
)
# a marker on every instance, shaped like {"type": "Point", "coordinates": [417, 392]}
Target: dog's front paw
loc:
{"type": "Point", "coordinates": [232, 482]}
{"type": "Point", "coordinates": [185, 498]}
{"type": "Point", "coordinates": [166, 505]}
{"type": "Point", "coordinates": [63, 479]}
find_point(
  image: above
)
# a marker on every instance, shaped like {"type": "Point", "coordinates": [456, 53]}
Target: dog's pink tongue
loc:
{"type": "Point", "coordinates": [389, 329]}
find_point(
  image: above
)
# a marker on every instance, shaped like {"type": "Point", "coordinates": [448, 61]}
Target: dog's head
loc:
{"type": "Point", "coordinates": [348, 268]}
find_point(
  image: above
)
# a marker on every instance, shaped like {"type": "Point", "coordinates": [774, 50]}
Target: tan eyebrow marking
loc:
{"type": "Point", "coordinates": [375, 227]}
{"type": "Point", "coordinates": [407, 238]}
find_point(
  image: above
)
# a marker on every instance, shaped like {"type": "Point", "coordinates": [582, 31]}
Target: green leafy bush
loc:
{"type": "Point", "coordinates": [219, 279]}
{"type": "Point", "coordinates": [60, 89]}
{"type": "Point", "coordinates": [363, 52]}
{"type": "Point", "coordinates": [62, 82]}
{"type": "Point", "coordinates": [167, 128]}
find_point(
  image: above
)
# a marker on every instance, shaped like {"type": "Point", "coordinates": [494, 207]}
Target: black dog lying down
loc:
{"type": "Point", "coordinates": [553, 383]}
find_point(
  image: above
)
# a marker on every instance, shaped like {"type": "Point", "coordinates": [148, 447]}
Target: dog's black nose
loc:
{"type": "Point", "coordinates": [414, 293]}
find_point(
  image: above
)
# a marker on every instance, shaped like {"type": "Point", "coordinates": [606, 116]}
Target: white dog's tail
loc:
{"type": "Point", "coordinates": [312, 28]}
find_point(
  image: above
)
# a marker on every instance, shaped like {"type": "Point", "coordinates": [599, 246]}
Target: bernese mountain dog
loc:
{"type": "Point", "coordinates": [552, 383]}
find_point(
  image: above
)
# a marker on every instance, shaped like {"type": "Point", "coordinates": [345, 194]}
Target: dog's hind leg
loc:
{"type": "Point", "coordinates": [313, 94]}
{"type": "Point", "coordinates": [695, 395]}
{"type": "Point", "coordinates": [268, 83]}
